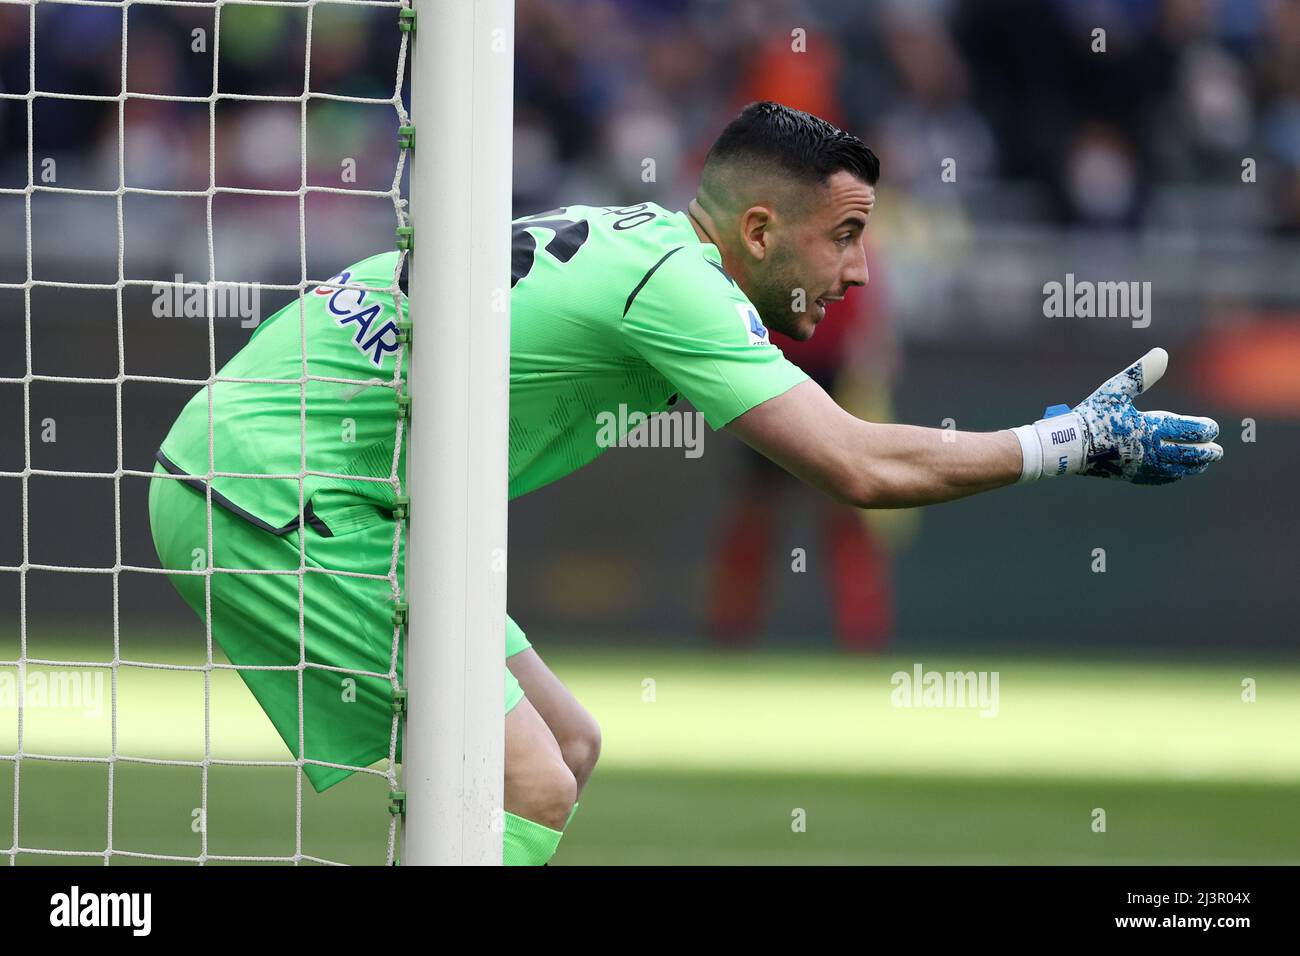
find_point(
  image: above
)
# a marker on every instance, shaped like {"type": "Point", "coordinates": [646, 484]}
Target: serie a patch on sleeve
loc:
{"type": "Point", "coordinates": [754, 327]}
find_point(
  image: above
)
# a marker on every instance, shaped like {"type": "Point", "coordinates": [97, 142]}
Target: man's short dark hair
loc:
{"type": "Point", "coordinates": [804, 146]}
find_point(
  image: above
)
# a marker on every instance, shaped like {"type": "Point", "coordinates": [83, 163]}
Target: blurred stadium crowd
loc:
{"type": "Point", "coordinates": [1011, 89]}
{"type": "Point", "coordinates": [1049, 129]}
{"type": "Point", "coordinates": [1125, 164]}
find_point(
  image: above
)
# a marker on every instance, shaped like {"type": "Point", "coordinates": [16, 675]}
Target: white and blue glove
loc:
{"type": "Point", "coordinates": [1105, 436]}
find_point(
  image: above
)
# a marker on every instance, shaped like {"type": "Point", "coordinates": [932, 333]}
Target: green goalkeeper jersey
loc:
{"type": "Point", "coordinates": [614, 310]}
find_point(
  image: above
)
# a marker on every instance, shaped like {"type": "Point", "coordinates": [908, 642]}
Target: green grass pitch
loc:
{"type": "Point", "coordinates": [771, 758]}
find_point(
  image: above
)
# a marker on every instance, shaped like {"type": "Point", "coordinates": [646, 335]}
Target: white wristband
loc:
{"type": "Point", "coordinates": [1051, 447]}
{"type": "Point", "coordinates": [1031, 453]}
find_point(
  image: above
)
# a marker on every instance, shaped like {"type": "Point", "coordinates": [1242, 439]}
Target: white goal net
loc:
{"type": "Point", "coordinates": [119, 741]}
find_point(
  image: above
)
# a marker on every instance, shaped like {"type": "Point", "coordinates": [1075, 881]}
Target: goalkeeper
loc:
{"type": "Point", "coordinates": [611, 306]}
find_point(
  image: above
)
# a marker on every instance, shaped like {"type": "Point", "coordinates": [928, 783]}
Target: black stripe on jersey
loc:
{"type": "Point", "coordinates": [646, 278]}
{"type": "Point", "coordinates": [310, 518]}
{"type": "Point", "coordinates": [722, 270]}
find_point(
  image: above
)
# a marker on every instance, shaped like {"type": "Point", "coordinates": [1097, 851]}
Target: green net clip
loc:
{"type": "Point", "coordinates": [401, 613]}
{"type": "Point", "coordinates": [404, 332]}
{"type": "Point", "coordinates": [404, 406]}
{"type": "Point", "coordinates": [406, 21]}
{"type": "Point", "coordinates": [405, 238]}
{"type": "Point", "coordinates": [399, 701]}
{"type": "Point", "coordinates": [397, 802]}
{"type": "Point", "coordinates": [401, 507]}
{"type": "Point", "coordinates": [406, 137]}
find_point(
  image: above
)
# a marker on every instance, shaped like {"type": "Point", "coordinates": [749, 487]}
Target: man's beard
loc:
{"type": "Point", "coordinates": [775, 300]}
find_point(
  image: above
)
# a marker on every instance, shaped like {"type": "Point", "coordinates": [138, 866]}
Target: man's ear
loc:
{"type": "Point", "coordinates": [754, 225]}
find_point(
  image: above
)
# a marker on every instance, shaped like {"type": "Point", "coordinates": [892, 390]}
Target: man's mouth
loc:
{"type": "Point", "coordinates": [823, 300]}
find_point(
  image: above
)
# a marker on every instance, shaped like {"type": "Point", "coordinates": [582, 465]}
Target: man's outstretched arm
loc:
{"type": "Point", "coordinates": [872, 465]}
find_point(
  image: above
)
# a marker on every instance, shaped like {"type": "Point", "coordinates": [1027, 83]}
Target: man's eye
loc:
{"type": "Point", "coordinates": [845, 239]}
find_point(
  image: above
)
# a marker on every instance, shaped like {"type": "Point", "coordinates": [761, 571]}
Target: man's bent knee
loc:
{"type": "Point", "coordinates": [539, 784]}
{"type": "Point", "coordinates": [544, 793]}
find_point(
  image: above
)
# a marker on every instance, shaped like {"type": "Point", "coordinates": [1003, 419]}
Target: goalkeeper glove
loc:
{"type": "Point", "coordinates": [1105, 436]}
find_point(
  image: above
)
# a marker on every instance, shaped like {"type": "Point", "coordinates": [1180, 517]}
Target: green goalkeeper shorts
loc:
{"type": "Point", "coordinates": [346, 622]}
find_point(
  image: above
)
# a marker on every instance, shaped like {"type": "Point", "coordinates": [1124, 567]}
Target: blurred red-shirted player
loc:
{"type": "Point", "coordinates": [853, 357]}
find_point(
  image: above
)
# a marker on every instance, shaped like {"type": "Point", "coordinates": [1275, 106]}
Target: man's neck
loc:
{"type": "Point", "coordinates": [703, 223]}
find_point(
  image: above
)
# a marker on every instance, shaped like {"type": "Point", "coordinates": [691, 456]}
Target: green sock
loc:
{"type": "Point", "coordinates": [526, 843]}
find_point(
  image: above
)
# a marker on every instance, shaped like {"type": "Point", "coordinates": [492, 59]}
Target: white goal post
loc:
{"type": "Point", "coordinates": [459, 298]}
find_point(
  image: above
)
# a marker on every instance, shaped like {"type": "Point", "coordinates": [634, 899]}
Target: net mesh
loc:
{"type": "Point", "coordinates": [115, 666]}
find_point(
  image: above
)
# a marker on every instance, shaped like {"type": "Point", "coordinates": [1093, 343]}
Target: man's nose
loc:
{"type": "Point", "coordinates": [858, 274]}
